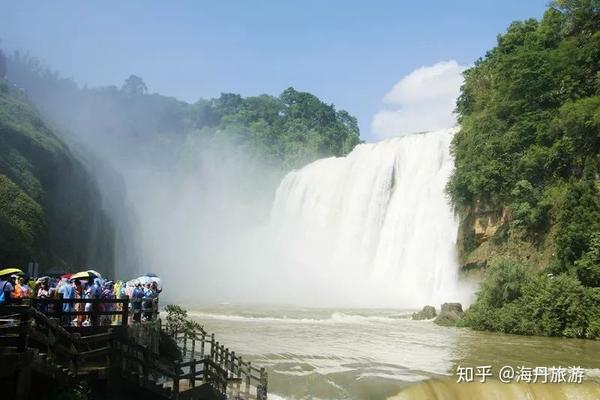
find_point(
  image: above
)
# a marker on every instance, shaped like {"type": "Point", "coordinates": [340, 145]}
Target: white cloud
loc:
{"type": "Point", "coordinates": [423, 100]}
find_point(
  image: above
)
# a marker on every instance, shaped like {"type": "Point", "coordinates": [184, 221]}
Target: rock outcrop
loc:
{"type": "Point", "coordinates": [428, 312]}
{"type": "Point", "coordinates": [450, 314]}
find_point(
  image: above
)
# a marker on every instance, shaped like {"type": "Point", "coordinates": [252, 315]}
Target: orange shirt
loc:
{"type": "Point", "coordinates": [18, 293]}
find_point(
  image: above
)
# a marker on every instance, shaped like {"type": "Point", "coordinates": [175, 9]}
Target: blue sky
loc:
{"type": "Point", "coordinates": [350, 53]}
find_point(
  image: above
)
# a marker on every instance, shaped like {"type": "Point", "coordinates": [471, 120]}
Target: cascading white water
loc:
{"type": "Point", "coordinates": [375, 226]}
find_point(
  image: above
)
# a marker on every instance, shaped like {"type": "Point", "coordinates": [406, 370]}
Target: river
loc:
{"type": "Point", "coordinates": [317, 353]}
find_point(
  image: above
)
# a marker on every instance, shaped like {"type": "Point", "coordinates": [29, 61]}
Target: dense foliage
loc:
{"type": "Point", "coordinates": [50, 210]}
{"type": "Point", "coordinates": [530, 143]}
{"type": "Point", "coordinates": [512, 299]}
{"type": "Point", "coordinates": [289, 130]}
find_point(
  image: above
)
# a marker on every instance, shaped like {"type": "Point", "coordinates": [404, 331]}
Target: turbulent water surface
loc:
{"type": "Point", "coordinates": [375, 354]}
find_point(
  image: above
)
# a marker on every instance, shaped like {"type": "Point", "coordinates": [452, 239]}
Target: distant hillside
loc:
{"type": "Point", "coordinates": [285, 131]}
{"type": "Point", "coordinates": [50, 208]}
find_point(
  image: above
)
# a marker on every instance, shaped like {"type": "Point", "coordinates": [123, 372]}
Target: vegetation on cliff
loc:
{"type": "Point", "coordinates": [50, 209]}
{"type": "Point", "coordinates": [529, 148]}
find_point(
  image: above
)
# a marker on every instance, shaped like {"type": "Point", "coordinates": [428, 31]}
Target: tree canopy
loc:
{"type": "Point", "coordinates": [134, 85]}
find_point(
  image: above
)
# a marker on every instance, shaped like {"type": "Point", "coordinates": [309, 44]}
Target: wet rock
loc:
{"type": "Point", "coordinates": [450, 314]}
{"type": "Point", "coordinates": [428, 312]}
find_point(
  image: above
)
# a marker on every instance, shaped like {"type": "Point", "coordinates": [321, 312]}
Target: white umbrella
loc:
{"type": "Point", "coordinates": [149, 279]}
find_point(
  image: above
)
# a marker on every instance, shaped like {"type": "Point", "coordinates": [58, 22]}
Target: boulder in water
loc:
{"type": "Point", "coordinates": [428, 312]}
{"type": "Point", "coordinates": [451, 313]}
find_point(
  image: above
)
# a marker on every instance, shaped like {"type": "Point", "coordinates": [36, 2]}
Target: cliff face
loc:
{"type": "Point", "coordinates": [50, 208]}
{"type": "Point", "coordinates": [527, 155]}
{"type": "Point", "coordinates": [484, 233]}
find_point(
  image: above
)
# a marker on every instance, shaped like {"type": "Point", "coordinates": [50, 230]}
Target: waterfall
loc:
{"type": "Point", "coordinates": [375, 226]}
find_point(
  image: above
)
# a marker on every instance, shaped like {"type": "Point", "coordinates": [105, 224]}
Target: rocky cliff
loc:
{"type": "Point", "coordinates": [50, 208]}
{"type": "Point", "coordinates": [484, 233]}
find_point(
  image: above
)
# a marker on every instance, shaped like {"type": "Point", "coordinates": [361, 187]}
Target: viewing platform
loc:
{"type": "Point", "coordinates": [116, 356]}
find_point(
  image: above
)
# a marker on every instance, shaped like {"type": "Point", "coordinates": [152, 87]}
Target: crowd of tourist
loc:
{"type": "Point", "coordinates": [17, 289]}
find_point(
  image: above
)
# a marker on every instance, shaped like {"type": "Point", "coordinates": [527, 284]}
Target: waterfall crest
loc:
{"type": "Point", "coordinates": [375, 224]}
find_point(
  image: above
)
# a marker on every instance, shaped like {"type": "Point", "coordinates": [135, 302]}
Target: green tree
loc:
{"type": "Point", "coordinates": [134, 85]}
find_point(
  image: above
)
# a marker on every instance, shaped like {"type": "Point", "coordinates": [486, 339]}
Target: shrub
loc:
{"type": "Point", "coordinates": [513, 299]}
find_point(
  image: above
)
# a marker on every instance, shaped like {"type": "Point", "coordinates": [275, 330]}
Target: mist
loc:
{"type": "Point", "coordinates": [214, 210]}
{"type": "Point", "coordinates": [188, 203]}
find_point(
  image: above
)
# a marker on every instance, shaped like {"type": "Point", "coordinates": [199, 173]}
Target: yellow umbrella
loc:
{"type": "Point", "coordinates": [11, 271]}
{"type": "Point", "coordinates": [95, 273]}
{"type": "Point", "coordinates": [84, 275]}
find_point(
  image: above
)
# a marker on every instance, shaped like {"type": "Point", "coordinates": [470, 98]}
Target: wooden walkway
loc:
{"type": "Point", "coordinates": [34, 345]}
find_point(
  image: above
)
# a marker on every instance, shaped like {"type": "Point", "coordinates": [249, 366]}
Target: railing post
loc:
{"type": "Point", "coordinates": [176, 381]}
{"type": "Point", "coordinates": [225, 364]}
{"type": "Point", "coordinates": [193, 351]}
{"type": "Point", "coordinates": [59, 311]}
{"type": "Point", "coordinates": [202, 345]}
{"type": "Point", "coordinates": [193, 373]}
{"type": "Point", "coordinates": [24, 331]}
{"type": "Point", "coordinates": [248, 374]}
{"type": "Point", "coordinates": [238, 375]}
{"type": "Point", "coordinates": [125, 311]}
{"type": "Point", "coordinates": [212, 346]}
{"type": "Point", "coordinates": [51, 341]}
{"type": "Point", "coordinates": [232, 363]}
{"type": "Point", "coordinates": [94, 315]}
{"type": "Point", "coordinates": [261, 390]}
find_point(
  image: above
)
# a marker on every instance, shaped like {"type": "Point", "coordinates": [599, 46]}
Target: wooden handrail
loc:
{"type": "Point", "coordinates": [223, 365]}
{"type": "Point", "coordinates": [220, 367]}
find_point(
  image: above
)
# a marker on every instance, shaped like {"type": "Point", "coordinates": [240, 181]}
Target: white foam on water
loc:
{"type": "Point", "coordinates": [334, 318]}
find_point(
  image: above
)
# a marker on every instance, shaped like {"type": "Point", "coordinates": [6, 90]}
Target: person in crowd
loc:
{"type": "Point", "coordinates": [43, 293]}
{"type": "Point", "coordinates": [6, 289]}
{"type": "Point", "coordinates": [136, 301]}
{"type": "Point", "coordinates": [150, 294]}
{"type": "Point", "coordinates": [15, 288]}
{"type": "Point", "coordinates": [67, 290]}
{"type": "Point", "coordinates": [26, 291]}
{"type": "Point", "coordinates": [107, 294]}
{"type": "Point", "coordinates": [34, 285]}
{"type": "Point", "coordinates": [16, 294]}
{"type": "Point", "coordinates": [78, 294]}
{"type": "Point", "coordinates": [88, 294]}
